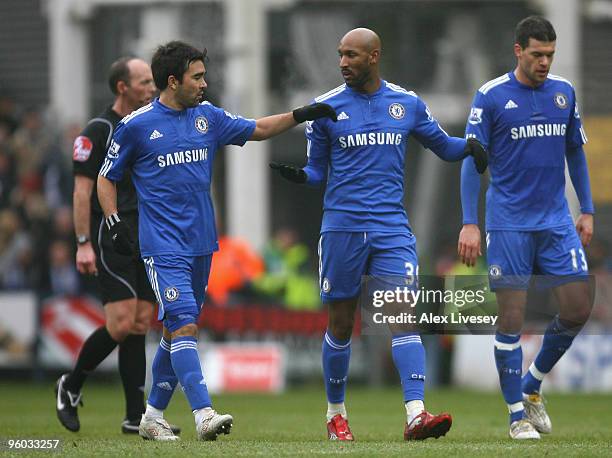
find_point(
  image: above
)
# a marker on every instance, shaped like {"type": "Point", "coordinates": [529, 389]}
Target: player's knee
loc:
{"type": "Point", "coordinates": [188, 330]}
{"type": "Point", "coordinates": [182, 324]}
{"type": "Point", "coordinates": [510, 323]}
{"type": "Point", "coordinates": [576, 303]}
{"type": "Point", "coordinates": [576, 317]}
{"type": "Point", "coordinates": [342, 328]}
{"type": "Point", "coordinates": [341, 319]}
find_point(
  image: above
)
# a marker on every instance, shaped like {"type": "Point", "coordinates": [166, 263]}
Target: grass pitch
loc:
{"type": "Point", "coordinates": [293, 424]}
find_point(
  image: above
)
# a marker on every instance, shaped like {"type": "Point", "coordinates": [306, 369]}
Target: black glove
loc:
{"type": "Point", "coordinates": [481, 158]}
{"type": "Point", "coordinates": [290, 172]}
{"type": "Point", "coordinates": [120, 235]}
{"type": "Point", "coordinates": [314, 111]}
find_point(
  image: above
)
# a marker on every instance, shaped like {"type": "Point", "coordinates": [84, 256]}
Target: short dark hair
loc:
{"type": "Point", "coordinates": [535, 27]}
{"type": "Point", "coordinates": [173, 58]}
{"type": "Point", "coordinates": [119, 71]}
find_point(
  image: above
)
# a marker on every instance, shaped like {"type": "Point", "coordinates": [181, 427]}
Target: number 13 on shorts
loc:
{"type": "Point", "coordinates": [583, 263]}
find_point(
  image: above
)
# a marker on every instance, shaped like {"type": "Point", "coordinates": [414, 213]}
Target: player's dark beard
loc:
{"type": "Point", "coordinates": [359, 81]}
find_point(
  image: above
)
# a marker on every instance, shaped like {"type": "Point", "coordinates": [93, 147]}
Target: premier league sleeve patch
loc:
{"type": "Point", "coordinates": [81, 149]}
{"type": "Point", "coordinates": [475, 116]}
{"type": "Point", "coordinates": [113, 150]}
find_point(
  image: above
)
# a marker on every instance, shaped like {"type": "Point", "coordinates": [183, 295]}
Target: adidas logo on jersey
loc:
{"type": "Point", "coordinates": [342, 116]}
{"type": "Point", "coordinates": [510, 105]}
{"type": "Point", "coordinates": [155, 134]}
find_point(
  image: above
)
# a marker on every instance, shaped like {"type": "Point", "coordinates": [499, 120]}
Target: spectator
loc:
{"type": "Point", "coordinates": [288, 276]}
{"type": "Point", "coordinates": [30, 141]}
{"type": "Point", "coordinates": [8, 117]}
{"type": "Point", "coordinates": [15, 252]}
{"type": "Point", "coordinates": [7, 177]}
{"type": "Point", "coordinates": [63, 277]}
{"type": "Point", "coordinates": [233, 269]}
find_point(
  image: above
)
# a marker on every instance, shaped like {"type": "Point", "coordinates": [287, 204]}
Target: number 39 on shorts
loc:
{"type": "Point", "coordinates": [412, 272]}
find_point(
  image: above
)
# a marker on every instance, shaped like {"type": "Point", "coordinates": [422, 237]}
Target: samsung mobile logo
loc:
{"type": "Point", "coordinates": [538, 130]}
{"type": "Point", "coordinates": [371, 138]}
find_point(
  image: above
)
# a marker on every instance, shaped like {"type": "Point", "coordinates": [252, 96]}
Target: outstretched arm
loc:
{"type": "Point", "coordinates": [272, 125]}
{"type": "Point", "coordinates": [431, 135]}
{"type": "Point", "coordinates": [454, 149]}
{"type": "Point", "coordinates": [318, 151]}
{"type": "Point", "coordinates": [276, 124]}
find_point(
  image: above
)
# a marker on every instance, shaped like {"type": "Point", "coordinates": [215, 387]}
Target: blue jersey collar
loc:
{"type": "Point", "coordinates": [380, 90]}
{"type": "Point", "coordinates": [164, 109]}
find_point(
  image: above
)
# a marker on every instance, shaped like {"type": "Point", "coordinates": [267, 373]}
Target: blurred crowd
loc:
{"type": "Point", "coordinates": [36, 233]}
{"type": "Point", "coordinates": [37, 244]}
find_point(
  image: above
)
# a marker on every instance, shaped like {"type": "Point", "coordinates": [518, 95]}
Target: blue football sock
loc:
{"type": "Point", "coordinates": [336, 354]}
{"type": "Point", "coordinates": [509, 361]}
{"type": "Point", "coordinates": [557, 339]}
{"type": "Point", "coordinates": [409, 358]}
{"type": "Point", "coordinates": [164, 378]}
{"type": "Point", "coordinates": [186, 364]}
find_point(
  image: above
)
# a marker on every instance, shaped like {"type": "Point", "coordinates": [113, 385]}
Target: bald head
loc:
{"type": "Point", "coordinates": [131, 81]}
{"type": "Point", "coordinates": [359, 52]}
{"type": "Point", "coordinates": [362, 38]}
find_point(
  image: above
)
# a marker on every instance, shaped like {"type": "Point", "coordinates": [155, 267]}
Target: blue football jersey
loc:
{"type": "Point", "coordinates": [170, 154]}
{"type": "Point", "coordinates": [361, 156]}
{"type": "Point", "coordinates": [527, 132]}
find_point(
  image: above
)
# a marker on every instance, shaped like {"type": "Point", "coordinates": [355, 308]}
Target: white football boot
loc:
{"type": "Point", "coordinates": [213, 425]}
{"type": "Point", "coordinates": [156, 429]}
{"type": "Point", "coordinates": [535, 412]}
{"type": "Point", "coordinates": [523, 429]}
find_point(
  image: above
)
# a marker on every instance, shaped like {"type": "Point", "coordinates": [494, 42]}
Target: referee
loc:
{"type": "Point", "coordinates": [126, 292]}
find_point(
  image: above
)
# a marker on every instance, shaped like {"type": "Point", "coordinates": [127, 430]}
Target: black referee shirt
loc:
{"type": "Point", "coordinates": [88, 154]}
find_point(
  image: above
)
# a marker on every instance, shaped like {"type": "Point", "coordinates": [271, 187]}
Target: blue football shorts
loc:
{"type": "Point", "coordinates": [344, 257]}
{"type": "Point", "coordinates": [179, 284]}
{"type": "Point", "coordinates": [555, 255]}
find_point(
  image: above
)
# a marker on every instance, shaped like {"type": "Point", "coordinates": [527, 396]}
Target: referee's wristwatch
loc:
{"type": "Point", "coordinates": [82, 239]}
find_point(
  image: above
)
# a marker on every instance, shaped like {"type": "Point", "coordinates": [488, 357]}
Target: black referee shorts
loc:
{"type": "Point", "coordinates": [120, 277]}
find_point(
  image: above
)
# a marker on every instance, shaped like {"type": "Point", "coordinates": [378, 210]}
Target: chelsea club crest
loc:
{"type": "Point", "coordinates": [201, 124]}
{"type": "Point", "coordinates": [171, 293]}
{"type": "Point", "coordinates": [397, 110]}
{"type": "Point", "coordinates": [560, 100]}
{"type": "Point", "coordinates": [495, 271]}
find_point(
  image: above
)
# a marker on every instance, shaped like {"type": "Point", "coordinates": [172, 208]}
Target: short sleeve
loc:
{"type": "Point", "coordinates": [479, 121]}
{"type": "Point", "coordinates": [89, 149]}
{"type": "Point", "coordinates": [232, 129]}
{"type": "Point", "coordinates": [120, 154]}
{"type": "Point", "coordinates": [426, 129]}
{"type": "Point", "coordinates": [576, 136]}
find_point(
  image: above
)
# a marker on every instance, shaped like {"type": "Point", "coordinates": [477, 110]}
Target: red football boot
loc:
{"type": "Point", "coordinates": [427, 425]}
{"type": "Point", "coordinates": [338, 429]}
